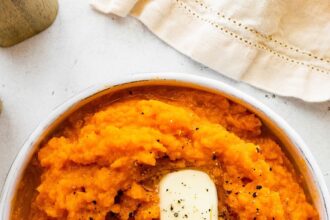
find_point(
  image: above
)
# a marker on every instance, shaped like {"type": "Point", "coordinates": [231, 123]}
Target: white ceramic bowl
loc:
{"type": "Point", "coordinates": [293, 143]}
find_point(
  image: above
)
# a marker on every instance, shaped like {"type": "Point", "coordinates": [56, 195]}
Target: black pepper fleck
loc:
{"type": "Point", "coordinates": [117, 197]}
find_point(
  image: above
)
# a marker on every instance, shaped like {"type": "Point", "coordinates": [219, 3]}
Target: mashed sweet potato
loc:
{"type": "Point", "coordinates": [107, 164]}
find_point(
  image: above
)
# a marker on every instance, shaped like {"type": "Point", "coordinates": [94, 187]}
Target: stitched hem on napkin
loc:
{"type": "Point", "coordinates": [208, 41]}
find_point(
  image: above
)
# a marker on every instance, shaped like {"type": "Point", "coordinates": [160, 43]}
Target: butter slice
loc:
{"type": "Point", "coordinates": [188, 194]}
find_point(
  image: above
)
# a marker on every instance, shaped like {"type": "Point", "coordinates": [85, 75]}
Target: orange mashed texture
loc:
{"type": "Point", "coordinates": [109, 166]}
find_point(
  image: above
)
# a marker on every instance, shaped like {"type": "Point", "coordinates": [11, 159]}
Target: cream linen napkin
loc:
{"type": "Point", "coordinates": [276, 45]}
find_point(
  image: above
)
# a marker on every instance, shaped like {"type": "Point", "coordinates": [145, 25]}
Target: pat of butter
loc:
{"type": "Point", "coordinates": [188, 194]}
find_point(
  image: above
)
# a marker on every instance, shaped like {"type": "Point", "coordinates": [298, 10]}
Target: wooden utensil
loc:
{"type": "Point", "coordinates": [21, 19]}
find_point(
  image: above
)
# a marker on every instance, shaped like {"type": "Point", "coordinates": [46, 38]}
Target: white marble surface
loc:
{"type": "Point", "coordinates": [84, 48]}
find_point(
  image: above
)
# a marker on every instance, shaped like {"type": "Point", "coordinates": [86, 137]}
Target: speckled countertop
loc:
{"type": "Point", "coordinates": [84, 48]}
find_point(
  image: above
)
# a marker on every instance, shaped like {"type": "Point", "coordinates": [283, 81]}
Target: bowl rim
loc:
{"type": "Point", "coordinates": [22, 158]}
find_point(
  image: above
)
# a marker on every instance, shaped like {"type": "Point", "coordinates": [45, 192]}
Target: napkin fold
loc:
{"type": "Point", "coordinates": [280, 46]}
{"type": "Point", "coordinates": [118, 7]}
